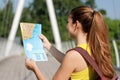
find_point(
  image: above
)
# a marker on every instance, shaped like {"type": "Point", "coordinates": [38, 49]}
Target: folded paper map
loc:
{"type": "Point", "coordinates": [33, 46]}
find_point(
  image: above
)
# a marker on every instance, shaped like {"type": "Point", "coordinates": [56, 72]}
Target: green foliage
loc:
{"type": "Point", "coordinates": [118, 45]}
{"type": "Point", "coordinates": [114, 33]}
{"type": "Point", "coordinates": [114, 28]}
{"type": "Point", "coordinates": [90, 3]}
{"type": "Point", "coordinates": [37, 13]}
{"type": "Point", "coordinates": [6, 17]}
{"type": "Point", "coordinates": [103, 11]}
{"type": "Point", "coordinates": [62, 8]}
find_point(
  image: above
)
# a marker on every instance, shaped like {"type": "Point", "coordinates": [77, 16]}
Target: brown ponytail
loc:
{"type": "Point", "coordinates": [97, 36]}
{"type": "Point", "coordinates": [99, 44]}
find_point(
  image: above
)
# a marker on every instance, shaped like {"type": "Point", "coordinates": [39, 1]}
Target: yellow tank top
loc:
{"type": "Point", "coordinates": [86, 74]}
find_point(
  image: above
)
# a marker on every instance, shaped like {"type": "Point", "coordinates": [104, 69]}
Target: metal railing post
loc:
{"type": "Point", "coordinates": [14, 26]}
{"type": "Point", "coordinates": [54, 24]}
{"type": "Point", "coordinates": [116, 53]}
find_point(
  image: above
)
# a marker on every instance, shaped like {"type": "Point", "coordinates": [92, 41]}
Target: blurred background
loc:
{"type": "Point", "coordinates": [12, 12]}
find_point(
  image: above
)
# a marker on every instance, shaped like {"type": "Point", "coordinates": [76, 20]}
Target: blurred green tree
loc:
{"type": "Point", "coordinates": [114, 28]}
{"type": "Point", "coordinates": [6, 18]}
{"type": "Point", "coordinates": [62, 8]}
{"type": "Point", "coordinates": [114, 33]}
{"type": "Point", "coordinates": [103, 11]}
{"type": "Point", "coordinates": [90, 3]}
{"type": "Point", "coordinates": [37, 13]}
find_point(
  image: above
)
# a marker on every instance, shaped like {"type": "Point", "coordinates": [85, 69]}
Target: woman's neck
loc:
{"type": "Point", "coordinates": [82, 38]}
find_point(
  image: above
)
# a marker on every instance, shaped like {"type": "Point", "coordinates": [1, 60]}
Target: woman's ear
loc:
{"type": "Point", "coordinates": [75, 26]}
{"type": "Point", "coordinates": [78, 25]}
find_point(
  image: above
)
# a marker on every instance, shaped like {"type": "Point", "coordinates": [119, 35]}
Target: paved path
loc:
{"type": "Point", "coordinates": [13, 68]}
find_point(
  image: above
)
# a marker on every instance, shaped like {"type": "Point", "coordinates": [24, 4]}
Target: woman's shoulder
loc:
{"type": "Point", "coordinates": [74, 55]}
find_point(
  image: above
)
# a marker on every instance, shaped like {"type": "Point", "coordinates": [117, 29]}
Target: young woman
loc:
{"type": "Point", "coordinates": [89, 30]}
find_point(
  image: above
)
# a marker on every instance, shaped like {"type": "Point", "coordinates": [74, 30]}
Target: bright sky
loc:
{"type": "Point", "coordinates": [111, 6]}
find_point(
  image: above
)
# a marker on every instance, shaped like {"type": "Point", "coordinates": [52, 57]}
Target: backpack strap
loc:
{"type": "Point", "coordinates": [88, 58]}
{"type": "Point", "coordinates": [115, 77]}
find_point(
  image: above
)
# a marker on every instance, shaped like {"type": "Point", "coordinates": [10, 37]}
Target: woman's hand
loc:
{"type": "Point", "coordinates": [30, 64]}
{"type": "Point", "coordinates": [45, 41]}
